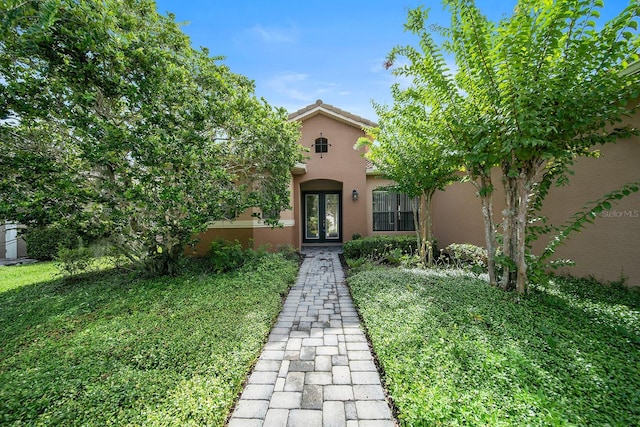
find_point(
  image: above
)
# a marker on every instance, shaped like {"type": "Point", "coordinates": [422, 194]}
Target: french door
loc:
{"type": "Point", "coordinates": [322, 217]}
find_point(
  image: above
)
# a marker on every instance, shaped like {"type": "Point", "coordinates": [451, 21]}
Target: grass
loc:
{"type": "Point", "coordinates": [458, 352]}
{"type": "Point", "coordinates": [21, 275]}
{"type": "Point", "coordinates": [113, 349]}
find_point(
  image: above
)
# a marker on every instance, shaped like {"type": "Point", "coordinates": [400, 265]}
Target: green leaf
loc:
{"type": "Point", "coordinates": [129, 103]}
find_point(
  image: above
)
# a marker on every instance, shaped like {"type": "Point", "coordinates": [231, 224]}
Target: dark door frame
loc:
{"type": "Point", "coordinates": [321, 214]}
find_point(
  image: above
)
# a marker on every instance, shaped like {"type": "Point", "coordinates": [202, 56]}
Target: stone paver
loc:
{"type": "Point", "coordinates": [316, 368]}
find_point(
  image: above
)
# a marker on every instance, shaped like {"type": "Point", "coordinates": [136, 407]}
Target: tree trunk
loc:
{"type": "Point", "coordinates": [426, 226]}
{"type": "Point", "coordinates": [515, 227]}
{"type": "Point", "coordinates": [421, 254]}
{"type": "Point", "coordinates": [164, 259]}
{"type": "Point", "coordinates": [486, 197]}
{"type": "Point", "coordinates": [523, 185]}
{"type": "Point", "coordinates": [425, 235]}
{"type": "Point", "coordinates": [509, 227]}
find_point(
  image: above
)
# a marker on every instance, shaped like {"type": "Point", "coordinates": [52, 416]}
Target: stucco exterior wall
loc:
{"type": "Point", "coordinates": [272, 238]}
{"type": "Point", "coordinates": [247, 228]}
{"type": "Point", "coordinates": [341, 167]}
{"type": "Point", "coordinates": [255, 232]}
{"type": "Point", "coordinates": [608, 249]}
{"type": "Point", "coordinates": [204, 239]}
{"type": "Point", "coordinates": [457, 213]}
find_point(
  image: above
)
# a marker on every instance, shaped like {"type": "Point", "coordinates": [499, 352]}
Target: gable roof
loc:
{"type": "Point", "coordinates": [330, 111]}
{"type": "Point", "coordinates": [633, 68]}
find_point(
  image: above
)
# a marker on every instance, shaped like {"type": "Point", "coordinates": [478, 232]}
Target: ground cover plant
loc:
{"type": "Point", "coordinates": [113, 349]}
{"type": "Point", "coordinates": [456, 351]}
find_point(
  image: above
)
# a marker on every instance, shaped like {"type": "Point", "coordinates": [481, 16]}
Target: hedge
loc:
{"type": "Point", "coordinates": [378, 246]}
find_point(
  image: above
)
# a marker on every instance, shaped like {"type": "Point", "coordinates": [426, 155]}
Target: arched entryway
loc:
{"type": "Point", "coordinates": [321, 211]}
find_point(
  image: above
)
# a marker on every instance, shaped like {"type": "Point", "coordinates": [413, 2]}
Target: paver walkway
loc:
{"type": "Point", "coordinates": [316, 368]}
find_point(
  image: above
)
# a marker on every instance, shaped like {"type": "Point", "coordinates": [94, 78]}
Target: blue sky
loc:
{"type": "Point", "coordinates": [301, 51]}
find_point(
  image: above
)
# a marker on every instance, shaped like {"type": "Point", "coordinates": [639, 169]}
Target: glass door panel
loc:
{"type": "Point", "coordinates": [312, 216]}
{"type": "Point", "coordinates": [322, 217]}
{"type": "Point", "coordinates": [332, 216]}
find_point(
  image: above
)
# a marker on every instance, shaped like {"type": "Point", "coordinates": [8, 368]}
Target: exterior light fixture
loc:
{"type": "Point", "coordinates": [354, 195]}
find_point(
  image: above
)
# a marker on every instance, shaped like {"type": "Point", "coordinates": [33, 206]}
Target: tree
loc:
{"type": "Point", "coordinates": [538, 89]}
{"type": "Point", "coordinates": [114, 124]}
{"type": "Point", "coordinates": [404, 142]}
{"type": "Point", "coordinates": [453, 119]}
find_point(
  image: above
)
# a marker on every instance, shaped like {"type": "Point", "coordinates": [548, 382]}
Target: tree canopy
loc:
{"type": "Point", "coordinates": [405, 149]}
{"type": "Point", "coordinates": [529, 94]}
{"type": "Point", "coordinates": [113, 124]}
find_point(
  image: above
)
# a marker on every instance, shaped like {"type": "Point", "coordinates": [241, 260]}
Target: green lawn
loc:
{"type": "Point", "coordinates": [114, 349]}
{"type": "Point", "coordinates": [458, 352]}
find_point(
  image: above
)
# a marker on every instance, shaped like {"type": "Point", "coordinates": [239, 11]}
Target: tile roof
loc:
{"type": "Point", "coordinates": [633, 68]}
{"type": "Point", "coordinates": [320, 107]}
{"type": "Point", "coordinates": [370, 164]}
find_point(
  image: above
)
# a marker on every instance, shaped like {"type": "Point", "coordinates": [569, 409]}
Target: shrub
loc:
{"type": "Point", "coordinates": [356, 236]}
{"type": "Point", "coordinates": [72, 262]}
{"type": "Point", "coordinates": [288, 252]}
{"type": "Point", "coordinates": [467, 255]}
{"type": "Point", "coordinates": [43, 243]}
{"type": "Point", "coordinates": [225, 255]}
{"type": "Point", "coordinates": [411, 261]}
{"type": "Point", "coordinates": [394, 256]}
{"type": "Point", "coordinates": [381, 248]}
{"type": "Point", "coordinates": [357, 265]}
{"type": "Point", "coordinates": [252, 258]}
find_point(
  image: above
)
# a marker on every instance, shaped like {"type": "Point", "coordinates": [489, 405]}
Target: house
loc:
{"type": "Point", "coordinates": [337, 194]}
{"type": "Point", "coordinates": [332, 192]}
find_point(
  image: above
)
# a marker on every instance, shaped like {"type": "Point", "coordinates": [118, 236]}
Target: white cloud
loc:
{"type": "Point", "coordinates": [290, 77]}
{"type": "Point", "coordinates": [289, 84]}
{"type": "Point", "coordinates": [274, 35]}
{"type": "Point", "coordinates": [295, 86]}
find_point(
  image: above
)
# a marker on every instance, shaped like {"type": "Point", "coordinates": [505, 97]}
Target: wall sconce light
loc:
{"type": "Point", "coordinates": [354, 195]}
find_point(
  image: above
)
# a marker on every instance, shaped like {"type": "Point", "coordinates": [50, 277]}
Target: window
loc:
{"type": "Point", "coordinates": [322, 145]}
{"type": "Point", "coordinates": [393, 211]}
